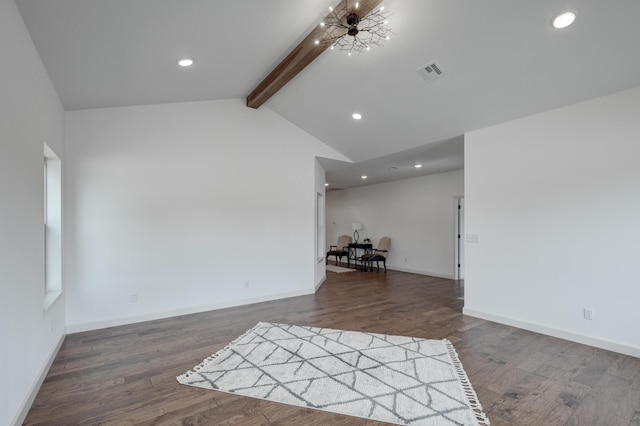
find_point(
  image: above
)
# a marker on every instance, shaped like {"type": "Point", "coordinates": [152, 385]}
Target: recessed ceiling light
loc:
{"type": "Point", "coordinates": [326, 184]}
{"type": "Point", "coordinates": [185, 62]}
{"type": "Point", "coordinates": [563, 20]}
{"type": "Point", "coordinates": [363, 176]}
{"type": "Point", "coordinates": [356, 116]}
{"type": "Point", "coordinates": [417, 166]}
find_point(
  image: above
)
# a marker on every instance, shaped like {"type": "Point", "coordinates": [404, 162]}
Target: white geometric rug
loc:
{"type": "Point", "coordinates": [338, 269]}
{"type": "Point", "coordinates": [400, 380]}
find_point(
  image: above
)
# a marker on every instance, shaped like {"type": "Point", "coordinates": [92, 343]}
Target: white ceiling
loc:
{"type": "Point", "coordinates": [502, 59]}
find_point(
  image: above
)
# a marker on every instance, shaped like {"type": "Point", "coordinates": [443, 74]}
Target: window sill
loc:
{"type": "Point", "coordinates": [50, 298]}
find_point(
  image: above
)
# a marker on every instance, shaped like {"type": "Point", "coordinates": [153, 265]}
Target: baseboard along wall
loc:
{"type": "Point", "coordinates": [561, 334]}
{"type": "Point", "coordinates": [96, 325]}
{"type": "Point", "coordinates": [35, 386]}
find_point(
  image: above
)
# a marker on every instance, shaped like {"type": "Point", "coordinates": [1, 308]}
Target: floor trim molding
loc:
{"type": "Point", "coordinates": [415, 271]}
{"type": "Point", "coordinates": [96, 325]}
{"type": "Point", "coordinates": [35, 386]}
{"type": "Point", "coordinates": [554, 332]}
{"type": "Point", "coordinates": [319, 283]}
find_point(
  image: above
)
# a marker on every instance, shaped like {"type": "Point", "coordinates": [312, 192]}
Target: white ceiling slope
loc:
{"type": "Point", "coordinates": [502, 60]}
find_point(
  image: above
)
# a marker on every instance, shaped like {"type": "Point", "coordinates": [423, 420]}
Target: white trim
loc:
{"type": "Point", "coordinates": [50, 298]}
{"type": "Point", "coordinates": [35, 386]}
{"type": "Point", "coordinates": [415, 271]}
{"type": "Point", "coordinates": [562, 334]}
{"type": "Point", "coordinates": [456, 231]}
{"type": "Point", "coordinates": [114, 322]}
{"type": "Point", "coordinates": [320, 227]}
{"type": "Point", "coordinates": [319, 283]}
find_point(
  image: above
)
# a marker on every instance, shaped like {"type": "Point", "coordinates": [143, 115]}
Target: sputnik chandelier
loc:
{"type": "Point", "coordinates": [352, 30]}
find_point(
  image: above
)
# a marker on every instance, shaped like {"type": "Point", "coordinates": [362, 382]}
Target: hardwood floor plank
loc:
{"type": "Point", "coordinates": [126, 375]}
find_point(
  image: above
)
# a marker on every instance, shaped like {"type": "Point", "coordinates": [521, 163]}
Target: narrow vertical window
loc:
{"type": "Point", "coordinates": [52, 226]}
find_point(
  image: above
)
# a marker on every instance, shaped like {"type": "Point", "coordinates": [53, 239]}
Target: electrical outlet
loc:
{"type": "Point", "coordinates": [588, 314]}
{"type": "Point", "coordinates": [473, 238]}
{"type": "Point", "coordinates": [133, 298]}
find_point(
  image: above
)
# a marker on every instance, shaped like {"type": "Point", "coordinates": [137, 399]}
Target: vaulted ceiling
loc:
{"type": "Point", "coordinates": [501, 59]}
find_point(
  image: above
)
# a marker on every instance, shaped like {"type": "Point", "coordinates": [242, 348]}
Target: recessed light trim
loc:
{"type": "Point", "coordinates": [186, 62]}
{"type": "Point", "coordinates": [356, 116]}
{"type": "Point", "coordinates": [563, 19]}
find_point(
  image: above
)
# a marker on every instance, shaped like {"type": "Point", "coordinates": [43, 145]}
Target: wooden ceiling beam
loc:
{"type": "Point", "coordinates": [301, 56]}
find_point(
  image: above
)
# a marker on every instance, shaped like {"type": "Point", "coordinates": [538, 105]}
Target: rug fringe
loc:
{"type": "Point", "coordinates": [472, 397]}
{"type": "Point", "coordinates": [182, 378]}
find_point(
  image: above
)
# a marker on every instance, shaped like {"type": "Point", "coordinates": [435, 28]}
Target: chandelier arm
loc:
{"type": "Point", "coordinates": [336, 43]}
{"type": "Point", "coordinates": [357, 41]}
{"type": "Point", "coordinates": [368, 27]}
{"type": "Point", "coordinates": [375, 34]}
{"type": "Point", "coordinates": [354, 45]}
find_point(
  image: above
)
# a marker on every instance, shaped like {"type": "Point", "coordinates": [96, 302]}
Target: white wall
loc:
{"type": "Point", "coordinates": [417, 214]}
{"type": "Point", "coordinates": [555, 201]}
{"type": "Point", "coordinates": [189, 206]}
{"type": "Point", "coordinates": [30, 115]}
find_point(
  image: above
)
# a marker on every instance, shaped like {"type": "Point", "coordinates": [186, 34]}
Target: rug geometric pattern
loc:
{"type": "Point", "coordinates": [396, 379]}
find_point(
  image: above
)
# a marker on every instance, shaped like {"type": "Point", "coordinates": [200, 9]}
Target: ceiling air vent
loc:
{"type": "Point", "coordinates": [430, 72]}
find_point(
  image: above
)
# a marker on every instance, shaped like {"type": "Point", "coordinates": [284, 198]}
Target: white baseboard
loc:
{"type": "Point", "coordinates": [319, 283]}
{"type": "Point", "coordinates": [562, 334]}
{"type": "Point", "coordinates": [96, 325]}
{"type": "Point", "coordinates": [35, 386]}
{"type": "Point", "coordinates": [416, 271]}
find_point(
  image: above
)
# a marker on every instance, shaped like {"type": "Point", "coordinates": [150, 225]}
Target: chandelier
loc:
{"type": "Point", "coordinates": [351, 29]}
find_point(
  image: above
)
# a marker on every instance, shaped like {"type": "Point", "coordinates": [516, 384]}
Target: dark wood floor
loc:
{"type": "Point", "coordinates": [126, 375]}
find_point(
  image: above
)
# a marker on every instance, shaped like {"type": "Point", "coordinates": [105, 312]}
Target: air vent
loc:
{"type": "Point", "coordinates": [430, 72]}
